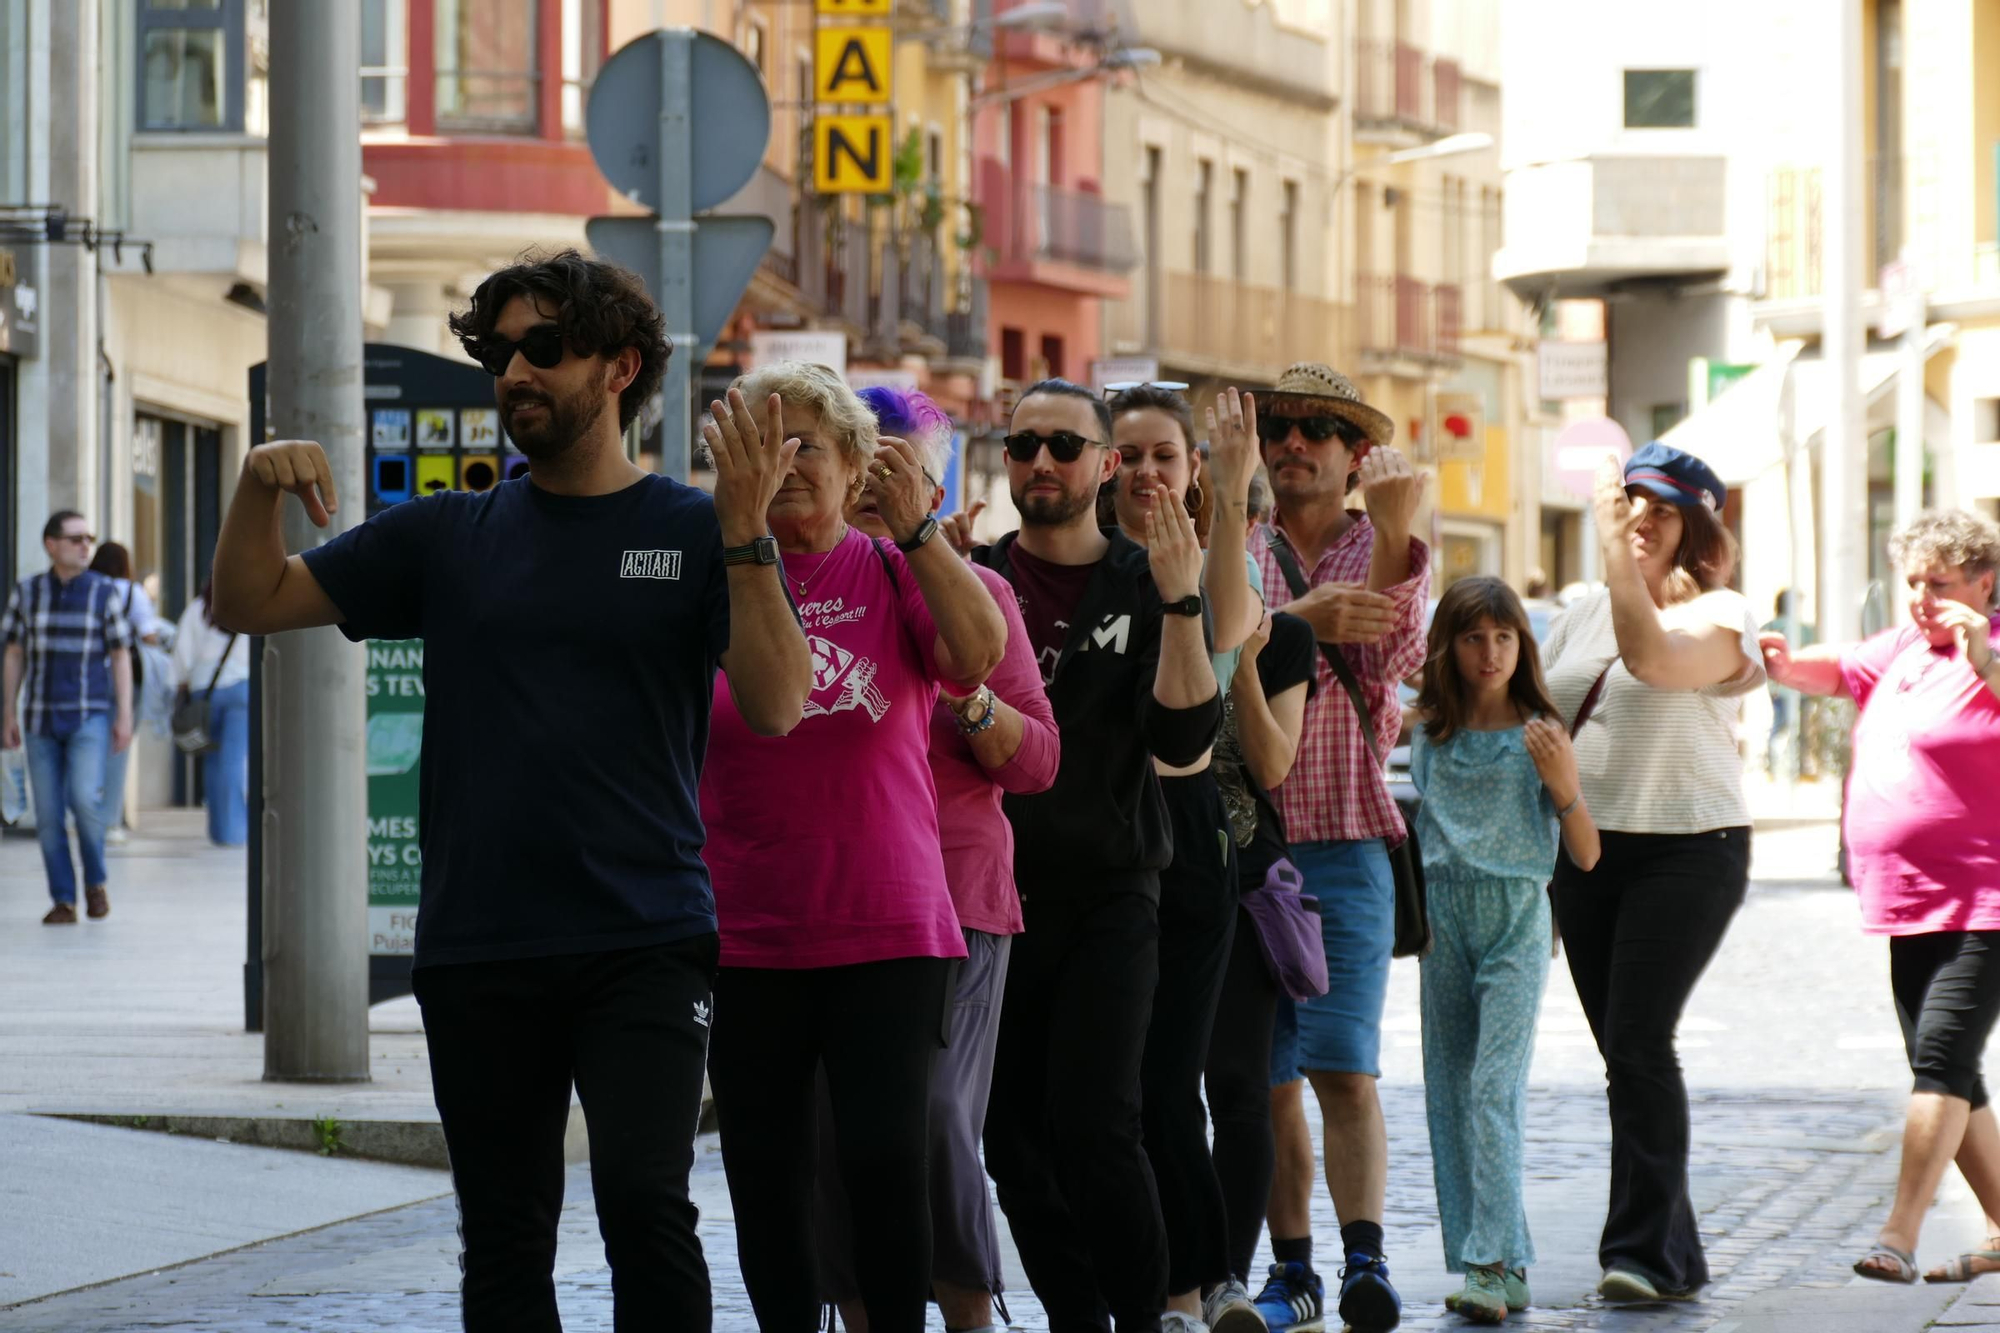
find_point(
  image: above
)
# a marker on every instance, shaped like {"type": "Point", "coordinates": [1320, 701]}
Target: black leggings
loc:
{"type": "Point", "coordinates": [507, 1040]}
{"type": "Point", "coordinates": [877, 1028]}
{"type": "Point", "coordinates": [1239, 1093]}
{"type": "Point", "coordinates": [1947, 988]}
{"type": "Point", "coordinates": [1197, 919]}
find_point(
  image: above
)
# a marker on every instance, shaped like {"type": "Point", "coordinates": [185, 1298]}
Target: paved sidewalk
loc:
{"type": "Point", "coordinates": [1790, 1047]}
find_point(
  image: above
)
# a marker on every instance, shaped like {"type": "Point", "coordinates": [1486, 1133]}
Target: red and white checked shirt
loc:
{"type": "Point", "coordinates": [1336, 792]}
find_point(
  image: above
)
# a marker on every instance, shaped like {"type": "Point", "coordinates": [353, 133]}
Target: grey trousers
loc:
{"type": "Point", "coordinates": [965, 1243]}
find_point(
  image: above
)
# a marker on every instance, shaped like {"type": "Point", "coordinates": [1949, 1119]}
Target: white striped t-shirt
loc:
{"type": "Point", "coordinates": [1654, 761]}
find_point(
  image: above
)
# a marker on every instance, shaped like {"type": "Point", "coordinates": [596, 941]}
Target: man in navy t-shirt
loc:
{"type": "Point", "coordinates": [572, 623]}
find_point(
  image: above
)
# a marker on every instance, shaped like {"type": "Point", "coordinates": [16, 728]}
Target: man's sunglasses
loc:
{"type": "Point", "coordinates": [1274, 429]}
{"type": "Point", "coordinates": [1065, 446]}
{"type": "Point", "coordinates": [80, 538]}
{"type": "Point", "coordinates": [543, 345]}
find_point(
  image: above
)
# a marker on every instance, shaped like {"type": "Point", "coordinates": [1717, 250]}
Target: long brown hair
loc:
{"type": "Point", "coordinates": [1137, 398]}
{"type": "Point", "coordinates": [1464, 604]}
{"type": "Point", "coordinates": [1706, 557]}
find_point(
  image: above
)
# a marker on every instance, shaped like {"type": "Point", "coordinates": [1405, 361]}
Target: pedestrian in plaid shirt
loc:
{"type": "Point", "coordinates": [1369, 580]}
{"type": "Point", "coordinates": [67, 643]}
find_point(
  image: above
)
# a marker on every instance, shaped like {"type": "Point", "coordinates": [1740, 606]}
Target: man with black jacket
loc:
{"type": "Point", "coordinates": [1124, 651]}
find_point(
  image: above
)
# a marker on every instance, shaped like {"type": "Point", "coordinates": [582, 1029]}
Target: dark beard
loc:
{"type": "Point", "coordinates": [1052, 511]}
{"type": "Point", "coordinates": [563, 423]}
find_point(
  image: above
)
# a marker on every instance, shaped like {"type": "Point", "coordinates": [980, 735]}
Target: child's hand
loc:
{"type": "Point", "coordinates": [1548, 745]}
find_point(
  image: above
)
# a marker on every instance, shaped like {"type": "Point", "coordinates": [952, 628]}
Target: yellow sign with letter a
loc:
{"type": "Point", "coordinates": [851, 66]}
{"type": "Point", "coordinates": [852, 154]}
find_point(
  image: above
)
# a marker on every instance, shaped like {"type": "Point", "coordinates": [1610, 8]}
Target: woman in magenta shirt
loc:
{"type": "Point", "coordinates": [1000, 738]}
{"type": "Point", "coordinates": [839, 938]}
{"type": "Point", "coordinates": [1923, 849]}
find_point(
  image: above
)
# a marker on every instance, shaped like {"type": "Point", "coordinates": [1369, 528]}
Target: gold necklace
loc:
{"type": "Point", "coordinates": [822, 560]}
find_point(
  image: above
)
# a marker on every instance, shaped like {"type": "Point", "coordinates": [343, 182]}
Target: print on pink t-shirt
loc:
{"type": "Point", "coordinates": [1923, 843]}
{"type": "Point", "coordinates": [823, 845]}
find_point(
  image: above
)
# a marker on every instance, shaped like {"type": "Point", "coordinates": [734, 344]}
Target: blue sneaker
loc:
{"type": "Point", "coordinates": [1293, 1300]}
{"type": "Point", "coordinates": [1367, 1302]}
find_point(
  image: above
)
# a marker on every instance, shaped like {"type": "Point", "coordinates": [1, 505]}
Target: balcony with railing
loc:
{"type": "Point", "coordinates": [1216, 326]}
{"type": "Point", "coordinates": [1403, 324]}
{"type": "Point", "coordinates": [1402, 95]}
{"type": "Point", "coordinates": [1054, 236]}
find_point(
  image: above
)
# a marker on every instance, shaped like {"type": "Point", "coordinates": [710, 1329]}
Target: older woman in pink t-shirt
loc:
{"type": "Point", "coordinates": [839, 938]}
{"type": "Point", "coordinates": [1924, 854]}
{"type": "Point", "coordinates": [1000, 738]}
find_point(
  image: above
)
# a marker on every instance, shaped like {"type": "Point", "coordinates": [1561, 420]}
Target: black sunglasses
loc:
{"type": "Point", "coordinates": [1274, 429]}
{"type": "Point", "coordinates": [1065, 446]}
{"type": "Point", "coordinates": [543, 345]}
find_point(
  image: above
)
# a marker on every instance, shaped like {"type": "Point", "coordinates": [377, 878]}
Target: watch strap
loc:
{"type": "Point", "coordinates": [1189, 605]}
{"type": "Point", "coordinates": [925, 531]}
{"type": "Point", "coordinates": [763, 551]}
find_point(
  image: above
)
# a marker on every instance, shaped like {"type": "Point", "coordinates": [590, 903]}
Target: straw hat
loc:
{"type": "Point", "coordinates": [1332, 391]}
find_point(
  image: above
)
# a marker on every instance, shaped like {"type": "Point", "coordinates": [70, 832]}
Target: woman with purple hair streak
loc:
{"type": "Point", "coordinates": [1000, 738]}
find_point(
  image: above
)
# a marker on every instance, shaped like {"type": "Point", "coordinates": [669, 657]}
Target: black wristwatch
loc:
{"type": "Point", "coordinates": [763, 551]}
{"type": "Point", "coordinates": [925, 531]}
{"type": "Point", "coordinates": [1189, 605]}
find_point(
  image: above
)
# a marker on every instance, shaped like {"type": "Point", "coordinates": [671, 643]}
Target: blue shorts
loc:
{"type": "Point", "coordinates": [1341, 1031]}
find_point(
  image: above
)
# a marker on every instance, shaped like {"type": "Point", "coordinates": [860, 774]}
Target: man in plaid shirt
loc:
{"type": "Point", "coordinates": [67, 641]}
{"type": "Point", "coordinates": [1368, 581]}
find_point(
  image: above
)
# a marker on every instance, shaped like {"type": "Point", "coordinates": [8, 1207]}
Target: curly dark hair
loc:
{"type": "Point", "coordinates": [600, 308]}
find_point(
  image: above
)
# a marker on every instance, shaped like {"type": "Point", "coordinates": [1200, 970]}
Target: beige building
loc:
{"type": "Point", "coordinates": [1274, 226]}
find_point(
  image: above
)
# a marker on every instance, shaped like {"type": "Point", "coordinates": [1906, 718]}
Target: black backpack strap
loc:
{"type": "Point", "coordinates": [888, 565]}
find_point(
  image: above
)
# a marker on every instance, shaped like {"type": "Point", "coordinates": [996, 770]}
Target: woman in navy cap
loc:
{"type": "Point", "coordinates": [1648, 670]}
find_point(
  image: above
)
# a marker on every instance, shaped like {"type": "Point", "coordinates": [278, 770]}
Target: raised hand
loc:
{"type": "Point", "coordinates": [1255, 643]}
{"type": "Point", "coordinates": [902, 492]}
{"type": "Point", "coordinates": [1346, 613]}
{"type": "Point", "coordinates": [298, 466]}
{"type": "Point", "coordinates": [1390, 488]}
{"type": "Point", "coordinates": [1618, 516]}
{"type": "Point", "coordinates": [957, 529]}
{"type": "Point", "coordinates": [1232, 445]}
{"type": "Point", "coordinates": [750, 463]}
{"type": "Point", "coordinates": [1972, 631]}
{"type": "Point", "coordinates": [1172, 547]}
{"type": "Point", "coordinates": [1555, 759]}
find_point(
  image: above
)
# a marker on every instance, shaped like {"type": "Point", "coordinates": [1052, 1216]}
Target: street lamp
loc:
{"type": "Point", "coordinates": [1111, 62]}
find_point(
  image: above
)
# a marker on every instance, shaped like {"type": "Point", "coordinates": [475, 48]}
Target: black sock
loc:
{"type": "Point", "coordinates": [1362, 1238]}
{"type": "Point", "coordinates": [1293, 1251]}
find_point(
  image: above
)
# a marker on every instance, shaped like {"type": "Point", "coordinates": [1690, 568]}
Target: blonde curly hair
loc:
{"type": "Point", "coordinates": [842, 417]}
{"type": "Point", "coordinates": [1952, 538]}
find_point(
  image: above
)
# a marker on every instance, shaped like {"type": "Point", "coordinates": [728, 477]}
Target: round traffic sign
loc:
{"type": "Point", "coordinates": [1579, 450]}
{"type": "Point", "coordinates": [623, 123]}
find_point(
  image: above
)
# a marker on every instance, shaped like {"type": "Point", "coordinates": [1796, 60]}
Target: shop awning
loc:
{"type": "Point", "coordinates": [1741, 433]}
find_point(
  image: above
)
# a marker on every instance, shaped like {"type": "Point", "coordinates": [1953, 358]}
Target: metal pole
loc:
{"type": "Point", "coordinates": [676, 213]}
{"type": "Point", "coordinates": [315, 811]}
{"type": "Point", "coordinates": [1844, 461]}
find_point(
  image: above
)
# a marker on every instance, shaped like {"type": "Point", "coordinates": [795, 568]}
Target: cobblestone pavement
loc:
{"type": "Point", "coordinates": [1790, 1048]}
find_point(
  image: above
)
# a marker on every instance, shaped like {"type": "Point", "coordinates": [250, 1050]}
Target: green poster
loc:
{"type": "Point", "coordinates": [395, 738]}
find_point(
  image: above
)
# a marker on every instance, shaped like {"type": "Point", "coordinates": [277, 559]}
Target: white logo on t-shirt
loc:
{"type": "Point", "coordinates": [651, 565]}
{"type": "Point", "coordinates": [847, 679]}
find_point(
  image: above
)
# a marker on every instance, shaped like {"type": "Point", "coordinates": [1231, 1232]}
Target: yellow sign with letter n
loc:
{"type": "Point", "coordinates": [852, 154]}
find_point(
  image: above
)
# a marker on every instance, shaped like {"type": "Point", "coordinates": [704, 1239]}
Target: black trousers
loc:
{"type": "Point", "coordinates": [1239, 1094]}
{"type": "Point", "coordinates": [1063, 1138]}
{"type": "Point", "coordinates": [1639, 929]}
{"type": "Point", "coordinates": [876, 1028]}
{"type": "Point", "coordinates": [507, 1039]}
{"type": "Point", "coordinates": [1197, 922]}
{"type": "Point", "coordinates": [1947, 988]}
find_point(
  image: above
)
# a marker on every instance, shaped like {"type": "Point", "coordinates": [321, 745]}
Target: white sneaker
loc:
{"type": "Point", "coordinates": [114, 837]}
{"type": "Point", "coordinates": [1228, 1310]}
{"type": "Point", "coordinates": [1173, 1321]}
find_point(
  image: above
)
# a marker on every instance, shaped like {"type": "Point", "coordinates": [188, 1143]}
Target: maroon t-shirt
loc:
{"type": "Point", "coordinates": [1049, 595]}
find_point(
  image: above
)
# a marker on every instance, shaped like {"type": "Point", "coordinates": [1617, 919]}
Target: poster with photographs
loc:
{"type": "Point", "coordinates": [436, 428]}
{"type": "Point", "coordinates": [392, 429]}
{"type": "Point", "coordinates": [479, 427]}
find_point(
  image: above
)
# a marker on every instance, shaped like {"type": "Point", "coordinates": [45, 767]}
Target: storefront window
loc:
{"type": "Point", "coordinates": [192, 63]}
